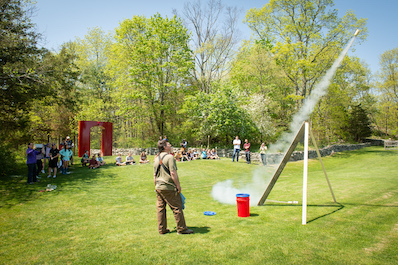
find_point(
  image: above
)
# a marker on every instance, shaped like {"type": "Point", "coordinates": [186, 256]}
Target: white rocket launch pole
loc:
{"type": "Point", "coordinates": [305, 174]}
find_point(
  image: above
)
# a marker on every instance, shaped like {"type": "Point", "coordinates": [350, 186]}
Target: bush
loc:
{"type": "Point", "coordinates": [8, 161]}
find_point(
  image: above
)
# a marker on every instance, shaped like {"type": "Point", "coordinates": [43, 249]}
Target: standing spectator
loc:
{"type": "Point", "coordinates": [66, 154]}
{"type": "Point", "coordinates": [71, 145]}
{"type": "Point", "coordinates": [168, 190]}
{"type": "Point", "coordinates": [53, 161]}
{"type": "Point", "coordinates": [263, 149]}
{"type": "Point", "coordinates": [47, 149]}
{"type": "Point", "coordinates": [165, 138]}
{"type": "Point", "coordinates": [143, 158]}
{"type": "Point", "coordinates": [246, 146]}
{"type": "Point", "coordinates": [62, 144]}
{"type": "Point", "coordinates": [31, 163]}
{"type": "Point", "coordinates": [236, 144]}
{"type": "Point", "coordinates": [39, 157]}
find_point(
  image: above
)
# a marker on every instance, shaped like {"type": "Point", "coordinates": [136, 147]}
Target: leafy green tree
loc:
{"type": "Point", "coordinates": [219, 115]}
{"type": "Point", "coordinates": [151, 64]}
{"type": "Point", "coordinates": [256, 73]}
{"type": "Point", "coordinates": [351, 87]}
{"type": "Point", "coordinates": [258, 109]}
{"type": "Point", "coordinates": [53, 115]}
{"type": "Point", "coordinates": [31, 80]}
{"type": "Point", "coordinates": [254, 69]}
{"type": "Point", "coordinates": [20, 71]}
{"type": "Point", "coordinates": [91, 59]}
{"type": "Point", "coordinates": [387, 118]}
{"type": "Point", "coordinates": [330, 116]}
{"type": "Point", "coordinates": [359, 123]}
{"type": "Point", "coordinates": [307, 36]}
{"type": "Point", "coordinates": [389, 74]}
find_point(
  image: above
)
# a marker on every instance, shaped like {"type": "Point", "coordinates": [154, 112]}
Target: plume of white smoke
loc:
{"type": "Point", "coordinates": [309, 104]}
{"type": "Point", "coordinates": [225, 192]}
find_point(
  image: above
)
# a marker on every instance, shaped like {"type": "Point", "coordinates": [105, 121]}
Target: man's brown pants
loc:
{"type": "Point", "coordinates": [173, 199]}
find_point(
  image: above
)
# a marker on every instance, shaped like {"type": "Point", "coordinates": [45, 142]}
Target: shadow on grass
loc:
{"type": "Point", "coordinates": [340, 207]}
{"type": "Point", "coordinates": [380, 152]}
{"type": "Point", "coordinates": [371, 205]}
{"type": "Point", "coordinates": [384, 152]}
{"type": "Point", "coordinates": [200, 230]}
{"type": "Point", "coordinates": [14, 190]}
{"type": "Point", "coordinates": [196, 230]}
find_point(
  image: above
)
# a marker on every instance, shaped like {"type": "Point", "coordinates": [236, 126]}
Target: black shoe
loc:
{"type": "Point", "coordinates": [164, 232]}
{"type": "Point", "coordinates": [185, 232]}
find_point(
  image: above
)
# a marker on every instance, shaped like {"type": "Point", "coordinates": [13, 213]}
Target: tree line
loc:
{"type": "Point", "coordinates": [192, 77]}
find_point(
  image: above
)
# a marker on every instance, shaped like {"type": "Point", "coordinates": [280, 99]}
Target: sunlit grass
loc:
{"type": "Point", "coordinates": [108, 216]}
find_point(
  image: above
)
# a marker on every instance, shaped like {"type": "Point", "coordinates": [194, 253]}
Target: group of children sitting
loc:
{"type": "Point", "coordinates": [190, 155]}
{"type": "Point", "coordinates": [130, 160]}
{"type": "Point", "coordinates": [182, 155]}
{"type": "Point", "coordinates": [94, 162]}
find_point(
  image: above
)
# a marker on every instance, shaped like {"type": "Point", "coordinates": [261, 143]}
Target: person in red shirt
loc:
{"type": "Point", "coordinates": [93, 163]}
{"type": "Point", "coordinates": [246, 146]}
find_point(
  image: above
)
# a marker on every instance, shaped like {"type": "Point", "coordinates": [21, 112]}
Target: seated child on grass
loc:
{"type": "Point", "coordinates": [93, 163]}
{"type": "Point", "coordinates": [100, 160]}
{"type": "Point", "coordinates": [119, 161]}
{"type": "Point", "coordinates": [130, 160]}
{"type": "Point", "coordinates": [85, 159]}
{"type": "Point", "coordinates": [143, 158]}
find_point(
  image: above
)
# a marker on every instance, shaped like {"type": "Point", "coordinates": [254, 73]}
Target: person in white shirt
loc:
{"type": "Point", "coordinates": [119, 161]}
{"type": "Point", "coordinates": [130, 160]}
{"type": "Point", "coordinates": [236, 144]}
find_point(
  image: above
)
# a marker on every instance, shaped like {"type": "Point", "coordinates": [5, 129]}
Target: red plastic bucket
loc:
{"type": "Point", "coordinates": [242, 201]}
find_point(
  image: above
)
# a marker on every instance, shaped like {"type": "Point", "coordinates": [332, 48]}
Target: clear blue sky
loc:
{"type": "Point", "coordinates": [62, 21]}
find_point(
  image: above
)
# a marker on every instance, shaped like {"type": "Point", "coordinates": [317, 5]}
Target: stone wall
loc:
{"type": "Point", "coordinates": [271, 158]}
{"type": "Point", "coordinates": [297, 155]}
{"type": "Point", "coordinates": [374, 142]}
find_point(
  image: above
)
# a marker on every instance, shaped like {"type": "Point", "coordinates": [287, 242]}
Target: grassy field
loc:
{"type": "Point", "coordinates": [108, 216]}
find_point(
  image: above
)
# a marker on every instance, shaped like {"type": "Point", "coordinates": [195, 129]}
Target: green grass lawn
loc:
{"type": "Point", "coordinates": [108, 216]}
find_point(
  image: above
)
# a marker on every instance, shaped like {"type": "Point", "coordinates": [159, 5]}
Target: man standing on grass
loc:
{"type": "Point", "coordinates": [236, 144]}
{"type": "Point", "coordinates": [31, 162]}
{"type": "Point", "coordinates": [168, 190]}
{"type": "Point", "coordinates": [246, 146]}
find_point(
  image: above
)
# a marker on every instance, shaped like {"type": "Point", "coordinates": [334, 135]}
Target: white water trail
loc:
{"type": "Point", "coordinates": [225, 192]}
